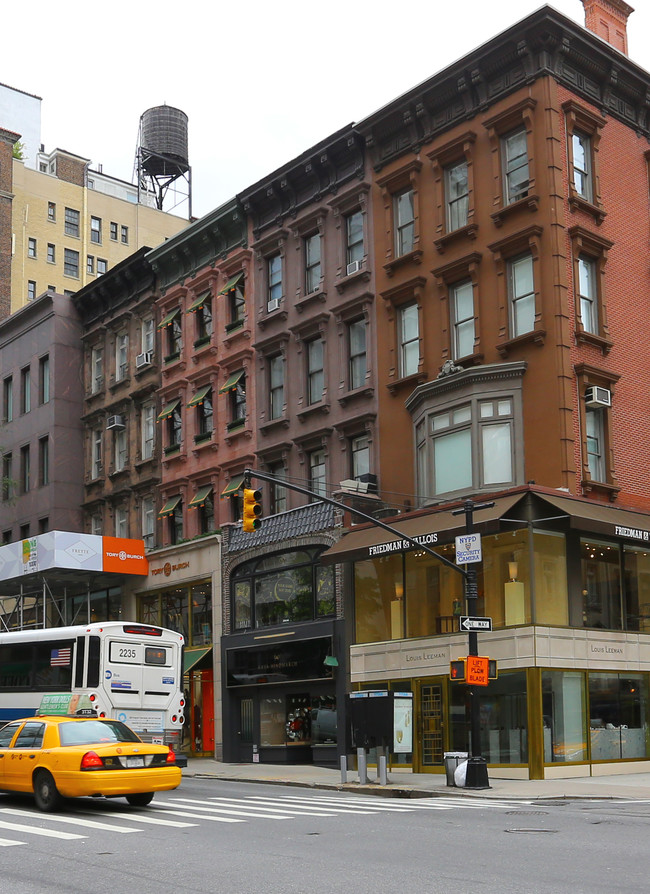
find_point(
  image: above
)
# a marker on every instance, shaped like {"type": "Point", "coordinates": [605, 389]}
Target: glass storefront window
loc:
{"type": "Point", "coordinates": [563, 716]}
{"type": "Point", "coordinates": [601, 585]}
{"type": "Point", "coordinates": [187, 610]}
{"type": "Point", "coordinates": [376, 593]}
{"type": "Point", "coordinates": [618, 716]}
{"type": "Point", "coordinates": [324, 726]}
{"type": "Point", "coordinates": [636, 570]}
{"type": "Point", "coordinates": [273, 718]}
{"type": "Point", "coordinates": [282, 588]}
{"type": "Point", "coordinates": [504, 721]}
{"type": "Point", "coordinates": [298, 722]}
{"type": "Point", "coordinates": [551, 591]}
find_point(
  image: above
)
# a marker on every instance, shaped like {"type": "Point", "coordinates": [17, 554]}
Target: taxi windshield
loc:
{"type": "Point", "coordinates": [95, 732]}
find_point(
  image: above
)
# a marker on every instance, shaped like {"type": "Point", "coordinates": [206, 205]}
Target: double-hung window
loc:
{"type": "Point", "coordinates": [404, 218]}
{"type": "Point", "coordinates": [357, 354]}
{"type": "Point", "coordinates": [148, 426]}
{"type": "Point", "coordinates": [31, 247]}
{"type": "Point", "coordinates": [148, 521]}
{"type": "Point", "coordinates": [312, 263]}
{"type": "Point", "coordinates": [121, 522]}
{"type": "Point", "coordinates": [96, 370]}
{"type": "Point", "coordinates": [96, 230]}
{"type": "Point", "coordinates": [515, 165]}
{"type": "Point", "coordinates": [204, 321]}
{"type": "Point", "coordinates": [588, 289]}
{"type": "Point", "coordinates": [119, 449]}
{"type": "Point", "coordinates": [96, 452]}
{"type": "Point", "coordinates": [595, 422]}
{"type": "Point", "coordinates": [315, 370]}
{"type": "Point", "coordinates": [582, 176]}
{"type": "Point", "coordinates": [409, 340]}
{"type": "Point", "coordinates": [276, 386]}
{"type": "Point", "coordinates": [204, 415]}
{"type": "Point", "coordinates": [148, 340]}
{"type": "Point", "coordinates": [274, 278]}
{"type": "Point", "coordinates": [462, 315]}
{"type": "Point", "coordinates": [317, 475]}
{"type": "Point", "coordinates": [359, 456]}
{"type": "Point", "coordinates": [353, 242]}
{"type": "Point", "coordinates": [521, 293]}
{"type": "Point", "coordinates": [71, 263]}
{"type": "Point", "coordinates": [121, 356]}
{"type": "Point", "coordinates": [278, 491]}
{"type": "Point", "coordinates": [71, 226]}
{"type": "Point", "coordinates": [457, 195]}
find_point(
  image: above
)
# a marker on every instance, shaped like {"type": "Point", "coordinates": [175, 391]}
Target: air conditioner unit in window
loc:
{"type": "Point", "coordinates": [353, 267]}
{"type": "Point", "coordinates": [595, 396]}
{"type": "Point", "coordinates": [272, 305]}
{"type": "Point", "coordinates": [115, 422]}
{"type": "Point", "coordinates": [143, 359]}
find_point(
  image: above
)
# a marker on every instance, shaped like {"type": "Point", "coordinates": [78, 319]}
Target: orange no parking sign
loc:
{"type": "Point", "coordinates": [477, 670]}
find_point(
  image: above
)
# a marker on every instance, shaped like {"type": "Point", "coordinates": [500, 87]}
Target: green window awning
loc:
{"type": "Point", "coordinates": [169, 318]}
{"type": "Point", "coordinates": [200, 496]}
{"type": "Point", "coordinates": [169, 506]}
{"type": "Point", "coordinates": [200, 396]}
{"type": "Point", "coordinates": [232, 283]}
{"type": "Point", "coordinates": [233, 486]}
{"type": "Point", "coordinates": [198, 302]}
{"type": "Point", "coordinates": [191, 657]}
{"type": "Point", "coordinates": [169, 409]}
{"type": "Point", "coordinates": [232, 382]}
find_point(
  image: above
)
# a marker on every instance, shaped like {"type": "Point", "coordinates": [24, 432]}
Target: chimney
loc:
{"type": "Point", "coordinates": [608, 19]}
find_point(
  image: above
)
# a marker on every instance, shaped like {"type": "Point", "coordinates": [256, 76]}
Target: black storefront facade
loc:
{"type": "Point", "coordinates": [566, 582]}
{"type": "Point", "coordinates": [283, 650]}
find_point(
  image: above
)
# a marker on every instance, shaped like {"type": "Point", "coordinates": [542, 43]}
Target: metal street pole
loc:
{"type": "Point", "coordinates": [477, 774]}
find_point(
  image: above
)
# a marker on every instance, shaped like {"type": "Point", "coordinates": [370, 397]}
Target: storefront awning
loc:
{"type": "Point", "coordinates": [198, 302]}
{"type": "Point", "coordinates": [169, 506]}
{"type": "Point", "coordinates": [601, 518]}
{"type": "Point", "coordinates": [171, 316]}
{"type": "Point", "coordinates": [232, 381]}
{"type": "Point", "coordinates": [232, 283]}
{"type": "Point", "coordinates": [431, 528]}
{"type": "Point", "coordinates": [199, 397]}
{"type": "Point", "coordinates": [233, 486]}
{"type": "Point", "coordinates": [169, 409]}
{"type": "Point", "coordinates": [200, 497]}
{"type": "Point", "coordinates": [191, 657]}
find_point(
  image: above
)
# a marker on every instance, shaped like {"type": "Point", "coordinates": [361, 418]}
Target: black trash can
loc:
{"type": "Point", "coordinates": [452, 760]}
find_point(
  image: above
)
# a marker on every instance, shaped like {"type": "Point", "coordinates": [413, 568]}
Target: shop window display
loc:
{"type": "Point", "coordinates": [564, 716]}
{"type": "Point", "coordinates": [504, 722]}
{"type": "Point", "coordinates": [618, 716]}
{"type": "Point", "coordinates": [188, 610]}
{"type": "Point", "coordinates": [298, 719]}
{"type": "Point", "coordinates": [601, 585]}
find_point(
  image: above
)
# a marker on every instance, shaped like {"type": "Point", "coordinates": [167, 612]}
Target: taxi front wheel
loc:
{"type": "Point", "coordinates": [46, 794]}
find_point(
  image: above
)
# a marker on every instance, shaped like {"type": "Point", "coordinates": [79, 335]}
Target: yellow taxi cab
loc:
{"type": "Point", "coordinates": [58, 757]}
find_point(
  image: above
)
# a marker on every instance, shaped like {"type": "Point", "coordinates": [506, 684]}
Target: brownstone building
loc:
{"type": "Point", "coordinates": [511, 207]}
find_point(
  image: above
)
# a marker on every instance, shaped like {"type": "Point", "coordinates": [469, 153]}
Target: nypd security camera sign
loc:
{"type": "Point", "coordinates": [468, 549]}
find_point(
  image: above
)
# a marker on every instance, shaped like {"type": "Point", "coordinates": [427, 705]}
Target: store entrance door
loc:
{"type": "Point", "coordinates": [430, 751]}
{"type": "Point", "coordinates": [201, 712]}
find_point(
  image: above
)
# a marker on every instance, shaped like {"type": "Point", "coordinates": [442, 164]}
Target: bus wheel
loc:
{"type": "Point", "coordinates": [46, 794]}
{"type": "Point", "coordinates": [140, 800]}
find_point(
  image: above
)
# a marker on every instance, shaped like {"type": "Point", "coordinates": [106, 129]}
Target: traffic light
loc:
{"type": "Point", "coordinates": [252, 510]}
{"type": "Point", "coordinates": [457, 670]}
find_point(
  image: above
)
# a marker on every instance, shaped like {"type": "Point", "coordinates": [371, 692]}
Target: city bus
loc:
{"type": "Point", "coordinates": [128, 671]}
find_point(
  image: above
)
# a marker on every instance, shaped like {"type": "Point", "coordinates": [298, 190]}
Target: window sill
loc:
{"type": "Point", "coordinates": [467, 232]}
{"type": "Point", "coordinates": [203, 342]}
{"type": "Point", "coordinates": [234, 326]}
{"type": "Point", "coordinates": [203, 437]}
{"type": "Point", "coordinates": [538, 336]}
{"type": "Point", "coordinates": [600, 487]}
{"type": "Point", "coordinates": [345, 282]}
{"type": "Point", "coordinates": [171, 358]}
{"type": "Point", "coordinates": [172, 449]}
{"type": "Point", "coordinates": [357, 394]}
{"type": "Point", "coordinates": [590, 338]}
{"type": "Point", "coordinates": [313, 410]}
{"type": "Point", "coordinates": [412, 257]}
{"type": "Point", "coordinates": [118, 383]}
{"type": "Point", "coordinates": [317, 296]}
{"type": "Point", "coordinates": [117, 473]}
{"type": "Point", "coordinates": [281, 422]}
{"type": "Point", "coordinates": [407, 381]}
{"type": "Point", "coordinates": [577, 203]}
{"type": "Point", "coordinates": [233, 433]}
{"type": "Point", "coordinates": [529, 203]}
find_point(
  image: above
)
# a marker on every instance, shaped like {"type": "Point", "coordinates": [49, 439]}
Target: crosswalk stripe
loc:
{"type": "Point", "coordinates": [151, 820]}
{"type": "Point", "coordinates": [243, 812]}
{"type": "Point", "coordinates": [215, 819]}
{"type": "Point", "coordinates": [251, 803]}
{"type": "Point", "coordinates": [7, 842]}
{"type": "Point", "coordinates": [304, 809]}
{"type": "Point", "coordinates": [376, 808]}
{"type": "Point", "coordinates": [47, 833]}
{"type": "Point", "coordinates": [71, 820]}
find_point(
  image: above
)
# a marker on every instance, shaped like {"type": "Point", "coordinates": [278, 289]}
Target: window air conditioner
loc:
{"type": "Point", "coordinates": [115, 422]}
{"type": "Point", "coordinates": [353, 267]}
{"type": "Point", "coordinates": [143, 359]}
{"type": "Point", "coordinates": [595, 396]}
{"type": "Point", "coordinates": [272, 305]}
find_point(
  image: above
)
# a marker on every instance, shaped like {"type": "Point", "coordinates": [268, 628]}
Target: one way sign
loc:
{"type": "Point", "coordinates": [468, 623]}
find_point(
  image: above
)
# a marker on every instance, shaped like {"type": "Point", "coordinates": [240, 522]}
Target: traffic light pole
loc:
{"type": "Point", "coordinates": [477, 774]}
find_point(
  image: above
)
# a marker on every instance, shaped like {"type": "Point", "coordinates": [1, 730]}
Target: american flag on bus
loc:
{"type": "Point", "coordinates": [60, 657]}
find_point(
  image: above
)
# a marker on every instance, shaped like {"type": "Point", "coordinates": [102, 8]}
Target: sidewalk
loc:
{"type": "Point", "coordinates": [408, 785]}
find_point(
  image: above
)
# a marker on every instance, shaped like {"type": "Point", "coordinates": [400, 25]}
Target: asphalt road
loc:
{"type": "Point", "coordinates": [215, 836]}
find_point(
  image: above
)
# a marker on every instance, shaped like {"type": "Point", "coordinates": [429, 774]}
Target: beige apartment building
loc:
{"type": "Point", "coordinates": [70, 224]}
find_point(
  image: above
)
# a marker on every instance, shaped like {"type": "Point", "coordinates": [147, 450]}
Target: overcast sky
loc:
{"type": "Point", "coordinates": [260, 82]}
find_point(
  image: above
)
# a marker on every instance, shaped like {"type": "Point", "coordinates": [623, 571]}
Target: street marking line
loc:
{"type": "Point", "coordinates": [47, 833]}
{"type": "Point", "coordinates": [242, 812]}
{"type": "Point", "coordinates": [71, 820]}
{"type": "Point", "coordinates": [215, 819]}
{"type": "Point", "coordinates": [7, 842]}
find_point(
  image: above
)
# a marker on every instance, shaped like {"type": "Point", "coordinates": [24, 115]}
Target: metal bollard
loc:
{"type": "Point", "coordinates": [362, 766]}
{"type": "Point", "coordinates": [383, 775]}
{"type": "Point", "coordinates": [344, 769]}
